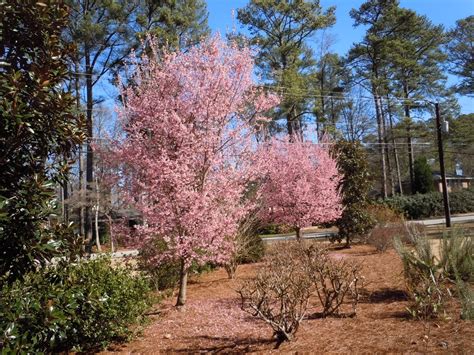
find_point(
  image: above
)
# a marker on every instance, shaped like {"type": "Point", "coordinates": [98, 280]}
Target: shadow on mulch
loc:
{"type": "Point", "coordinates": [231, 345]}
{"type": "Point", "coordinates": [319, 315]}
{"type": "Point", "coordinates": [384, 295]}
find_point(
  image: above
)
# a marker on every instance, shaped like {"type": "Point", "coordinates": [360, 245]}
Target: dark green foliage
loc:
{"type": "Point", "coordinates": [164, 273]}
{"type": "Point", "coordinates": [423, 182]}
{"type": "Point", "coordinates": [282, 30]}
{"type": "Point", "coordinates": [431, 204]}
{"type": "Point", "coordinates": [461, 55]}
{"type": "Point", "coordinates": [38, 130]}
{"type": "Point", "coordinates": [355, 186]}
{"type": "Point", "coordinates": [80, 306]}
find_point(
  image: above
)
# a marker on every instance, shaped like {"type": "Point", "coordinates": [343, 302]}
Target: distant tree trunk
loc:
{"type": "Point", "coordinates": [298, 233]}
{"type": "Point", "coordinates": [411, 158]}
{"type": "Point", "coordinates": [387, 149]}
{"type": "Point", "coordinates": [97, 206]}
{"type": "Point", "coordinates": [90, 157]}
{"type": "Point", "coordinates": [183, 284]}
{"type": "Point", "coordinates": [80, 167]}
{"type": "Point", "coordinates": [395, 150]}
{"type": "Point", "coordinates": [380, 135]}
{"type": "Point", "coordinates": [111, 233]}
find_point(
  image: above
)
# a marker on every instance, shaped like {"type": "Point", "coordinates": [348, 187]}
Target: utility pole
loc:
{"type": "Point", "coordinates": [447, 213]}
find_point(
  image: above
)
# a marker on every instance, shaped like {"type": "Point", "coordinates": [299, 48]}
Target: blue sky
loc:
{"type": "Point", "coordinates": [444, 12]}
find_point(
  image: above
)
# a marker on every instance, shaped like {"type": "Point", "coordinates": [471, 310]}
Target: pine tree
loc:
{"type": "Point", "coordinates": [281, 30]}
{"type": "Point", "coordinates": [460, 50]}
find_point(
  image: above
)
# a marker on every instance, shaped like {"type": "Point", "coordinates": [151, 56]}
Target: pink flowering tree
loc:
{"type": "Point", "coordinates": [299, 183]}
{"type": "Point", "coordinates": [188, 123]}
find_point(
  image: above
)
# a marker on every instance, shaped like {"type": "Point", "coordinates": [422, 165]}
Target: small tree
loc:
{"type": "Point", "coordinates": [423, 182]}
{"type": "Point", "coordinates": [188, 123]}
{"type": "Point", "coordinates": [299, 184]}
{"type": "Point", "coordinates": [355, 186]}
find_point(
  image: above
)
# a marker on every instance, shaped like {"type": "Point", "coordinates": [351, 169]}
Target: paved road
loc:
{"type": "Point", "coordinates": [322, 235]}
{"type": "Point", "coordinates": [313, 235]}
{"type": "Point", "coordinates": [454, 219]}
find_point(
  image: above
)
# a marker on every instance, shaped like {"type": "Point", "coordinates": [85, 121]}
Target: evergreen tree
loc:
{"type": "Point", "coordinates": [355, 186]}
{"type": "Point", "coordinates": [424, 182]}
{"type": "Point", "coordinates": [281, 30]}
{"type": "Point", "coordinates": [460, 50]}
{"type": "Point", "coordinates": [38, 130]}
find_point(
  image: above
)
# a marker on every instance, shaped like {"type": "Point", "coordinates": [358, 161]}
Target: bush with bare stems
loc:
{"type": "Point", "coordinates": [332, 280]}
{"type": "Point", "coordinates": [280, 292]}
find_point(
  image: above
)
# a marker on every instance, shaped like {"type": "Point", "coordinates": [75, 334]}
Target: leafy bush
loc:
{"type": "Point", "coordinates": [164, 274]}
{"type": "Point", "coordinates": [82, 307]}
{"type": "Point", "coordinates": [429, 205]}
{"type": "Point", "coordinates": [161, 275]}
{"type": "Point", "coordinates": [423, 181]}
{"type": "Point", "coordinates": [466, 296]}
{"type": "Point", "coordinates": [423, 276]}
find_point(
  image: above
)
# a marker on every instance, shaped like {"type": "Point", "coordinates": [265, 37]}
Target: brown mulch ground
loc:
{"type": "Point", "coordinates": [213, 321]}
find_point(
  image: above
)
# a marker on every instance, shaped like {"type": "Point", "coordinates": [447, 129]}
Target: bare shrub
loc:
{"type": "Point", "coordinates": [388, 225]}
{"type": "Point", "coordinates": [247, 246]}
{"type": "Point", "coordinates": [293, 272]}
{"type": "Point", "coordinates": [332, 280]}
{"type": "Point", "coordinates": [280, 292]}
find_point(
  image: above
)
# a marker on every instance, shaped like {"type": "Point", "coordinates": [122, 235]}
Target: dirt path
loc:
{"type": "Point", "coordinates": [213, 321]}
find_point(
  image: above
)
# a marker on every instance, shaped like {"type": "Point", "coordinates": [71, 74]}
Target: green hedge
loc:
{"type": "Point", "coordinates": [431, 204]}
{"type": "Point", "coordinates": [74, 307]}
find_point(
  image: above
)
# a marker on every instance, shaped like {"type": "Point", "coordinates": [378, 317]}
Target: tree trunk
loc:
{"type": "Point", "coordinates": [80, 167]}
{"type": "Point", "coordinates": [387, 150]}
{"type": "Point", "coordinates": [409, 140]}
{"type": "Point", "coordinates": [183, 284]}
{"type": "Point", "coordinates": [395, 150]}
{"type": "Point", "coordinates": [90, 157]}
{"type": "Point", "coordinates": [97, 206]}
{"type": "Point", "coordinates": [380, 135]}
{"type": "Point", "coordinates": [298, 234]}
{"type": "Point", "coordinates": [111, 235]}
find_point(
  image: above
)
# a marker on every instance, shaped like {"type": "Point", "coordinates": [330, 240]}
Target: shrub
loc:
{"type": "Point", "coordinates": [161, 275]}
{"type": "Point", "coordinates": [457, 256]}
{"type": "Point", "coordinates": [164, 273]}
{"type": "Point", "coordinates": [423, 181]}
{"type": "Point", "coordinates": [388, 225]}
{"type": "Point", "coordinates": [248, 246]}
{"type": "Point", "coordinates": [280, 292]}
{"type": "Point", "coordinates": [292, 272]}
{"type": "Point", "coordinates": [75, 307]}
{"type": "Point", "coordinates": [423, 276]}
{"type": "Point", "coordinates": [466, 296]}
{"type": "Point", "coordinates": [431, 204]}
{"type": "Point", "coordinates": [332, 279]}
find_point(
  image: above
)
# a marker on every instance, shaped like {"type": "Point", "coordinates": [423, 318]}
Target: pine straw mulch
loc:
{"type": "Point", "coordinates": [213, 322]}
